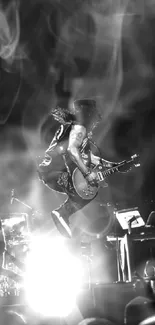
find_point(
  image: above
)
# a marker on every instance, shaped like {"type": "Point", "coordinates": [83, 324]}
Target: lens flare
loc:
{"type": "Point", "coordinates": [53, 278]}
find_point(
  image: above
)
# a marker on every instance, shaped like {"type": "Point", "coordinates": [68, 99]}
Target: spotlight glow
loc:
{"type": "Point", "coordinates": [53, 278]}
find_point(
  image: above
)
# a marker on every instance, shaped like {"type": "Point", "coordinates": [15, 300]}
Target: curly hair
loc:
{"type": "Point", "coordinates": [62, 113]}
{"type": "Point", "coordinates": [86, 112]}
{"type": "Point", "coordinates": [83, 111]}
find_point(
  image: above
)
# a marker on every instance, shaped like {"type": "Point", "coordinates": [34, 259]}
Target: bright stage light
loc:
{"type": "Point", "coordinates": [53, 278]}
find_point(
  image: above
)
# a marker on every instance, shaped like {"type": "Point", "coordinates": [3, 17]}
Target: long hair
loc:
{"type": "Point", "coordinates": [86, 113]}
{"type": "Point", "coordinates": [83, 111]}
{"type": "Point", "coordinates": [62, 113]}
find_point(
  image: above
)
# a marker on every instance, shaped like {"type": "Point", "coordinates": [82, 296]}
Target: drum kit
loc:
{"type": "Point", "coordinates": [16, 235]}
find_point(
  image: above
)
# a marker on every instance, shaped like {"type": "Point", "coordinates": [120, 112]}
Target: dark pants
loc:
{"type": "Point", "coordinates": [62, 182]}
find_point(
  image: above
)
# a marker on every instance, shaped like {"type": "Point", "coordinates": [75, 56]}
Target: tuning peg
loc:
{"type": "Point", "coordinates": [137, 165]}
{"type": "Point", "coordinates": [134, 156]}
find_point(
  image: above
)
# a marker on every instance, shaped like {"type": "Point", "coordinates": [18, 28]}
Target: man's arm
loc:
{"type": "Point", "coordinates": [98, 160]}
{"type": "Point", "coordinates": [105, 163]}
{"type": "Point", "coordinates": [76, 138]}
{"type": "Point", "coordinates": [95, 160]}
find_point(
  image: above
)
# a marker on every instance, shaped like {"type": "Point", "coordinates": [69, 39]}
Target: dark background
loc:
{"type": "Point", "coordinates": [52, 52]}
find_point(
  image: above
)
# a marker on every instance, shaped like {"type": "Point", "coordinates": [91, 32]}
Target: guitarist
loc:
{"type": "Point", "coordinates": [70, 148]}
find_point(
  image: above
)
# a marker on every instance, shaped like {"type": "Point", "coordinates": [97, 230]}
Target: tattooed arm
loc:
{"type": "Point", "coordinates": [96, 160]}
{"type": "Point", "coordinates": [76, 138]}
{"type": "Point", "coordinates": [107, 163]}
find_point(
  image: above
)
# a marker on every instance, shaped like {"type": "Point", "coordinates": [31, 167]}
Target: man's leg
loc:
{"type": "Point", "coordinates": [61, 215]}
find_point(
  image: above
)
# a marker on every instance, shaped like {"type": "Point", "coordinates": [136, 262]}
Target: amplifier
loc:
{"type": "Point", "coordinates": [109, 300]}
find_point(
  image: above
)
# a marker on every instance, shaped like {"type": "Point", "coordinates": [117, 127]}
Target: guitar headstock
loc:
{"type": "Point", "coordinates": [136, 160]}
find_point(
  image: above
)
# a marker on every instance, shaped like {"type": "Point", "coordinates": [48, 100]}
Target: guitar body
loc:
{"type": "Point", "coordinates": [82, 187]}
{"type": "Point", "coordinates": [88, 192]}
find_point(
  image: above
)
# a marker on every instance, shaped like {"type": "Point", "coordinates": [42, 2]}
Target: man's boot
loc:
{"type": "Point", "coordinates": [62, 224]}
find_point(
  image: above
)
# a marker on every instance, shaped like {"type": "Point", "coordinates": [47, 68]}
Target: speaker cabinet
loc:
{"type": "Point", "coordinates": [109, 300]}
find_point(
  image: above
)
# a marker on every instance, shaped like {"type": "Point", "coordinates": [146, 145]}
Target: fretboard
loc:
{"type": "Point", "coordinates": [114, 169]}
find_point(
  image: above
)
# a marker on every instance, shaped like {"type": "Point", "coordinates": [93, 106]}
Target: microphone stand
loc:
{"type": "Point", "coordinates": [26, 205]}
{"type": "Point", "coordinates": [33, 211]}
{"type": "Point", "coordinates": [86, 249]}
{"type": "Point", "coordinates": [128, 246]}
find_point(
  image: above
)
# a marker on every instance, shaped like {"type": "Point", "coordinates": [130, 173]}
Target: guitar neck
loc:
{"type": "Point", "coordinates": [112, 170]}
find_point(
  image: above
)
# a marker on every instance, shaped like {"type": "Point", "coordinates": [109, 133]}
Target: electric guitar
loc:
{"type": "Point", "coordinates": [88, 192]}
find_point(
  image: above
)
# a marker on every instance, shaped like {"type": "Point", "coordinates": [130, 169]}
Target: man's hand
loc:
{"type": "Point", "coordinates": [92, 178]}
